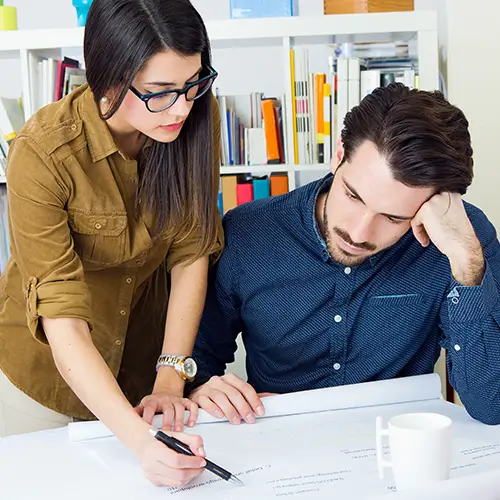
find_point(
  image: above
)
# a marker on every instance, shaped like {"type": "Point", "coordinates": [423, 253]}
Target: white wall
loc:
{"type": "Point", "coordinates": [474, 83]}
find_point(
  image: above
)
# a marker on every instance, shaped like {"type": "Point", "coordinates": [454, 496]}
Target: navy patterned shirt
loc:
{"type": "Point", "coordinates": [308, 322]}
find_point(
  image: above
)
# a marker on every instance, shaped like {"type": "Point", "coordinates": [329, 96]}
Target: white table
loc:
{"type": "Point", "coordinates": [330, 441]}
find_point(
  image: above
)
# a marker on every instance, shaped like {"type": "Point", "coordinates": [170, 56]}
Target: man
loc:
{"type": "Point", "coordinates": [363, 275]}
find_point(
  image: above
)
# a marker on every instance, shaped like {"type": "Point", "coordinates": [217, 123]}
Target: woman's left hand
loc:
{"type": "Point", "coordinates": [172, 407]}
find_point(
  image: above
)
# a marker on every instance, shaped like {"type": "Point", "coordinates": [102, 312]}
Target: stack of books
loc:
{"type": "Point", "coordinates": [53, 79]}
{"type": "Point", "coordinates": [236, 190]}
{"type": "Point", "coordinates": [253, 129]}
{"type": "Point", "coordinates": [322, 100]}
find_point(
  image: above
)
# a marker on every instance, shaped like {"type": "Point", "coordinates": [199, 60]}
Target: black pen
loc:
{"type": "Point", "coordinates": [180, 447]}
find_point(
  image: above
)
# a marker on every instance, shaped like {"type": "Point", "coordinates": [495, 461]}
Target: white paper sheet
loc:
{"type": "Point", "coordinates": [419, 388]}
{"type": "Point", "coordinates": [311, 456]}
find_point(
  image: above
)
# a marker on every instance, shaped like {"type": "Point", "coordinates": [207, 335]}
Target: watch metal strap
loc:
{"type": "Point", "coordinates": [168, 360]}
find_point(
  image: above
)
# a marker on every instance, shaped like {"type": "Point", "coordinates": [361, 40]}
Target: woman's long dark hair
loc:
{"type": "Point", "coordinates": [177, 180]}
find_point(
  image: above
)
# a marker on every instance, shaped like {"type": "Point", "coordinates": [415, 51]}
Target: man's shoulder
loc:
{"type": "Point", "coordinates": [483, 227]}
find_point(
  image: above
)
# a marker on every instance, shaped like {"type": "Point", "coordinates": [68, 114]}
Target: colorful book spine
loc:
{"type": "Point", "coordinates": [261, 188]}
{"type": "Point", "coordinates": [271, 130]}
{"type": "Point", "coordinates": [279, 184]}
{"type": "Point", "coordinates": [244, 193]}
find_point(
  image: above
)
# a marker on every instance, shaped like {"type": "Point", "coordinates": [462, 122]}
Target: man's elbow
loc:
{"type": "Point", "coordinates": [486, 412]}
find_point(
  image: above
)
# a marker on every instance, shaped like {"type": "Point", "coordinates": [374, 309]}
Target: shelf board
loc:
{"type": "Point", "coordinates": [266, 169]}
{"type": "Point", "coordinates": [399, 25]}
{"type": "Point", "coordinates": [317, 167]}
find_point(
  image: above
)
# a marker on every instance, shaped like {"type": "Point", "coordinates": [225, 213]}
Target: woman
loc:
{"type": "Point", "coordinates": [113, 201]}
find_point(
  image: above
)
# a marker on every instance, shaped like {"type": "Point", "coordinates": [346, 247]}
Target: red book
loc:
{"type": "Point", "coordinates": [244, 193]}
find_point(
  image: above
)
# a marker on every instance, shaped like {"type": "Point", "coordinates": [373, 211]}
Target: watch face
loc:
{"type": "Point", "coordinates": [190, 367]}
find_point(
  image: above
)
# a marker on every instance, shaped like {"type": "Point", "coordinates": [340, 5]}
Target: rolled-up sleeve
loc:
{"type": "Point", "coordinates": [41, 241]}
{"type": "Point", "coordinates": [186, 249]}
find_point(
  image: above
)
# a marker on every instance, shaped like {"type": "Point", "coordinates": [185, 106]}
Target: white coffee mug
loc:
{"type": "Point", "coordinates": [420, 448]}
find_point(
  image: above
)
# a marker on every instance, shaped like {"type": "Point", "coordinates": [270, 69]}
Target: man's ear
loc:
{"type": "Point", "coordinates": [334, 164]}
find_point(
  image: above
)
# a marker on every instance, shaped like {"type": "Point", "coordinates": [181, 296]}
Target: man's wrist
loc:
{"type": "Point", "coordinates": [468, 265]}
{"type": "Point", "coordinates": [192, 387]}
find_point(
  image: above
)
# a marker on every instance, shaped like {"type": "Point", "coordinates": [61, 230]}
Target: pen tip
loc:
{"type": "Point", "coordinates": [152, 431]}
{"type": "Point", "coordinates": [237, 481]}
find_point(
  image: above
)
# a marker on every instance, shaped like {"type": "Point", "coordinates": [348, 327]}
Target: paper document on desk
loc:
{"type": "Point", "coordinates": [385, 392]}
{"type": "Point", "coordinates": [314, 455]}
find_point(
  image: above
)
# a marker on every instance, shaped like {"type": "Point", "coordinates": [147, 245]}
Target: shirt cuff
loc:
{"type": "Point", "coordinates": [62, 299]}
{"type": "Point", "coordinates": [470, 304]}
{"type": "Point", "coordinates": [189, 387]}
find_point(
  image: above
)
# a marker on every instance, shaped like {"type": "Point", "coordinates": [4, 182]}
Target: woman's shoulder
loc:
{"type": "Point", "coordinates": [56, 124]}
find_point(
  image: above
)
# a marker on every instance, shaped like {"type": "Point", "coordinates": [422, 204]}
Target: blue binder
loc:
{"type": "Point", "coordinates": [261, 188]}
{"type": "Point", "coordinates": [243, 9]}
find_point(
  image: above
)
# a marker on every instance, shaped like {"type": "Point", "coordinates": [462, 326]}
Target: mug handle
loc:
{"type": "Point", "coordinates": [381, 461]}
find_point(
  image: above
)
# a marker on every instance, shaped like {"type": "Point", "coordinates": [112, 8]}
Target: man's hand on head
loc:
{"type": "Point", "coordinates": [443, 221]}
{"type": "Point", "coordinates": [229, 396]}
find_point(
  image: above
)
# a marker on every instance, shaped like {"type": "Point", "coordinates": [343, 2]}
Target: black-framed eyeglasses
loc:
{"type": "Point", "coordinates": [160, 101]}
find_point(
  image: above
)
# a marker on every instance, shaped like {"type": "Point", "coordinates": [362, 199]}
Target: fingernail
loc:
{"type": "Point", "coordinates": [203, 463]}
{"type": "Point", "coordinates": [201, 451]}
{"type": "Point", "coordinates": [259, 410]}
{"type": "Point", "coordinates": [191, 424]}
{"type": "Point", "coordinates": [218, 414]}
{"type": "Point", "coordinates": [250, 418]}
{"type": "Point", "coordinates": [236, 420]}
{"type": "Point", "coordinates": [178, 428]}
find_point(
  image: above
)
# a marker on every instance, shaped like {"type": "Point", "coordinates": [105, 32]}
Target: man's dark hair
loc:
{"type": "Point", "coordinates": [424, 138]}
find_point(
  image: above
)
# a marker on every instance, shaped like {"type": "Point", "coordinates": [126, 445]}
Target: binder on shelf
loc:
{"type": "Point", "coordinates": [229, 192]}
{"type": "Point", "coordinates": [319, 81]}
{"type": "Point", "coordinates": [271, 131]}
{"type": "Point", "coordinates": [279, 184]}
{"type": "Point", "coordinates": [327, 125]}
{"type": "Point", "coordinates": [261, 188]}
{"type": "Point", "coordinates": [244, 193]}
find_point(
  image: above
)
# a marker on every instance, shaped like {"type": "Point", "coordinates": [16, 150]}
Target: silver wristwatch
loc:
{"type": "Point", "coordinates": [185, 366]}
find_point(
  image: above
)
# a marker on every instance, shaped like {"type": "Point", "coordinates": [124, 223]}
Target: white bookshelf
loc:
{"type": "Point", "coordinates": [281, 34]}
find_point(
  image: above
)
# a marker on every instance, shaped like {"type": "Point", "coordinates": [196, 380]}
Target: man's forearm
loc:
{"type": "Point", "coordinates": [88, 375]}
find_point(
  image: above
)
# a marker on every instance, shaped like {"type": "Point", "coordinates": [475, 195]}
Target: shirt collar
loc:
{"type": "Point", "coordinates": [322, 186]}
{"type": "Point", "coordinates": [99, 139]}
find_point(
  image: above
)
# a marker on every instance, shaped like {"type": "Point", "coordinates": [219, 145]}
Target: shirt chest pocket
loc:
{"type": "Point", "coordinates": [394, 301]}
{"type": "Point", "coordinates": [394, 312]}
{"type": "Point", "coordinates": [99, 237]}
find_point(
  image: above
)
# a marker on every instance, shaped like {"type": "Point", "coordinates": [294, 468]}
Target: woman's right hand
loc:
{"type": "Point", "coordinates": [165, 467]}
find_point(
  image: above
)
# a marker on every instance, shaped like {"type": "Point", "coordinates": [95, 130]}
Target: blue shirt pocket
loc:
{"type": "Point", "coordinates": [394, 300]}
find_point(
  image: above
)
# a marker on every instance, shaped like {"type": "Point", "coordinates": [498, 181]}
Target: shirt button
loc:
{"type": "Point", "coordinates": [118, 342]}
{"type": "Point", "coordinates": [338, 318]}
{"type": "Point", "coordinates": [73, 127]}
{"type": "Point", "coordinates": [455, 300]}
{"type": "Point", "coordinates": [129, 280]}
{"type": "Point", "coordinates": [347, 270]}
{"type": "Point", "coordinates": [457, 347]}
{"type": "Point", "coordinates": [123, 312]}
{"type": "Point", "coordinates": [336, 366]}
{"type": "Point", "coordinates": [97, 225]}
